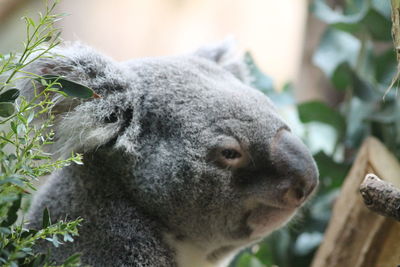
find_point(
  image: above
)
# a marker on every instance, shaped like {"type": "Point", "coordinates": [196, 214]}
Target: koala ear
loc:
{"type": "Point", "coordinates": [96, 123]}
{"type": "Point", "coordinates": [78, 63]}
{"type": "Point", "coordinates": [226, 54]}
{"type": "Point", "coordinates": [82, 125]}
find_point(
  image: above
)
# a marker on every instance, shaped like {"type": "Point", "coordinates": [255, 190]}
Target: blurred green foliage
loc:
{"type": "Point", "coordinates": [22, 155]}
{"type": "Point", "coordinates": [356, 54]}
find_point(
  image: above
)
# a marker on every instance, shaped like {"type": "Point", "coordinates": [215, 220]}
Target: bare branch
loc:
{"type": "Point", "coordinates": [380, 196]}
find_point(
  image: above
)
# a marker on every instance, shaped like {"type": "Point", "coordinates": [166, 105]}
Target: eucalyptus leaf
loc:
{"type": "Point", "coordinates": [320, 112]}
{"type": "Point", "coordinates": [378, 26]}
{"type": "Point", "coordinates": [16, 181]}
{"type": "Point", "coordinates": [264, 254]}
{"type": "Point", "coordinates": [69, 87]}
{"type": "Point", "coordinates": [6, 109]}
{"type": "Point", "coordinates": [39, 260]}
{"type": "Point", "coordinates": [46, 221]}
{"type": "Point", "coordinates": [349, 22]}
{"type": "Point", "coordinates": [259, 80]}
{"type": "Point", "coordinates": [331, 172]}
{"type": "Point", "coordinates": [249, 260]}
{"type": "Point", "coordinates": [73, 259]}
{"type": "Point", "coordinates": [342, 77]}
{"type": "Point", "coordinates": [335, 48]}
{"type": "Point", "coordinates": [387, 112]}
{"type": "Point", "coordinates": [284, 97]}
{"type": "Point", "coordinates": [385, 67]}
{"type": "Point", "coordinates": [357, 129]}
{"type": "Point", "coordinates": [363, 89]}
{"type": "Point", "coordinates": [12, 214]}
{"type": "Point", "coordinates": [9, 95]}
{"type": "Point", "coordinates": [372, 17]}
{"type": "Point", "coordinates": [322, 205]}
{"type": "Point", "coordinates": [306, 242]}
{"type": "Point", "coordinates": [281, 243]}
{"type": "Point", "coordinates": [383, 7]}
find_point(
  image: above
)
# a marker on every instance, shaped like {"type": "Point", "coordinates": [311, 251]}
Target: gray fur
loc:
{"type": "Point", "coordinates": [153, 180]}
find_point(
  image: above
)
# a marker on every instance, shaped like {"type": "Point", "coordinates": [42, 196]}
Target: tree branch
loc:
{"type": "Point", "coordinates": [380, 196]}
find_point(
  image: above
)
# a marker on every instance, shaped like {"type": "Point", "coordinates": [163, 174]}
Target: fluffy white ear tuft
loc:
{"type": "Point", "coordinates": [227, 55]}
{"type": "Point", "coordinates": [80, 123]}
{"type": "Point", "coordinates": [85, 128]}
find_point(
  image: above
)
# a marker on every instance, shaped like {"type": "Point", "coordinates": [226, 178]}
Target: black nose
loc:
{"type": "Point", "coordinates": [295, 166]}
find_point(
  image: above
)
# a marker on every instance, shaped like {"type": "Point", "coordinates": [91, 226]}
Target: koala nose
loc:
{"type": "Point", "coordinates": [295, 165]}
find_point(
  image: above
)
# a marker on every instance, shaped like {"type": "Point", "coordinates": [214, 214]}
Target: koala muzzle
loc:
{"type": "Point", "coordinates": [297, 170]}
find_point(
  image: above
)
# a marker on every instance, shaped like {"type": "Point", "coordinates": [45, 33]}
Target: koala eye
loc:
{"type": "Point", "coordinates": [230, 153]}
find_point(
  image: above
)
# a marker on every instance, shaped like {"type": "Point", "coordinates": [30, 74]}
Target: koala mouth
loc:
{"type": "Point", "coordinates": [263, 219]}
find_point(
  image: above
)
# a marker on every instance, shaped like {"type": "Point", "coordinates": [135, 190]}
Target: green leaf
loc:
{"type": "Point", "coordinates": [5, 230]}
{"type": "Point", "coordinates": [259, 80]}
{"type": "Point", "coordinates": [12, 180]}
{"type": "Point", "coordinates": [342, 77]}
{"type": "Point", "coordinates": [30, 117]}
{"type": "Point", "coordinates": [383, 7]}
{"type": "Point", "coordinates": [335, 48]}
{"type": "Point", "coordinates": [69, 87]}
{"type": "Point", "coordinates": [387, 113]}
{"type": "Point", "coordinates": [307, 242]}
{"type": "Point", "coordinates": [280, 243]}
{"type": "Point", "coordinates": [28, 233]}
{"type": "Point", "coordinates": [68, 238]}
{"type": "Point", "coordinates": [12, 212]}
{"type": "Point", "coordinates": [385, 67]}
{"type": "Point", "coordinates": [320, 112]}
{"type": "Point", "coordinates": [55, 241]}
{"type": "Point", "coordinates": [363, 16]}
{"type": "Point", "coordinates": [30, 21]}
{"type": "Point", "coordinates": [6, 109]}
{"type": "Point", "coordinates": [21, 129]}
{"type": "Point", "coordinates": [344, 22]}
{"type": "Point", "coordinates": [40, 260]}
{"type": "Point", "coordinates": [356, 127]}
{"type": "Point", "coordinates": [72, 260]}
{"type": "Point", "coordinates": [363, 89]}
{"type": "Point", "coordinates": [264, 254]}
{"type": "Point", "coordinates": [13, 126]}
{"type": "Point", "coordinates": [284, 97]}
{"type": "Point", "coordinates": [331, 172]}
{"type": "Point", "coordinates": [46, 221]}
{"type": "Point", "coordinates": [248, 260]}
{"type": "Point", "coordinates": [9, 95]}
{"type": "Point", "coordinates": [378, 26]}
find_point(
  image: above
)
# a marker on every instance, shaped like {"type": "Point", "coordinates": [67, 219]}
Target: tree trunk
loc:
{"type": "Point", "coordinates": [357, 236]}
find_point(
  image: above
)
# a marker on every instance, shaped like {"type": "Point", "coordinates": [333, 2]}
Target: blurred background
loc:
{"type": "Point", "coordinates": [274, 31]}
{"type": "Point", "coordinates": [328, 65]}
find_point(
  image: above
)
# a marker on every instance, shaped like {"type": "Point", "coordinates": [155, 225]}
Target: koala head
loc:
{"type": "Point", "coordinates": [193, 144]}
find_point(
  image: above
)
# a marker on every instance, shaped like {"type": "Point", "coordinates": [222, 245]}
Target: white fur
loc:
{"type": "Point", "coordinates": [190, 255]}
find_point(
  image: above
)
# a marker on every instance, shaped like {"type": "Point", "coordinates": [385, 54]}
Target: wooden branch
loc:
{"type": "Point", "coordinates": [380, 196]}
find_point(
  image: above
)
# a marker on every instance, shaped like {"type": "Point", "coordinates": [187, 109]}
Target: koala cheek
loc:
{"type": "Point", "coordinates": [263, 220]}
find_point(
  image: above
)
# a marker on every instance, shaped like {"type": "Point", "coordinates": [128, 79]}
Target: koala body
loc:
{"type": "Point", "coordinates": [184, 163]}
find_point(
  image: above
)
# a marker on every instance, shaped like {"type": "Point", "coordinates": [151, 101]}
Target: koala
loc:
{"type": "Point", "coordinates": [184, 163]}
